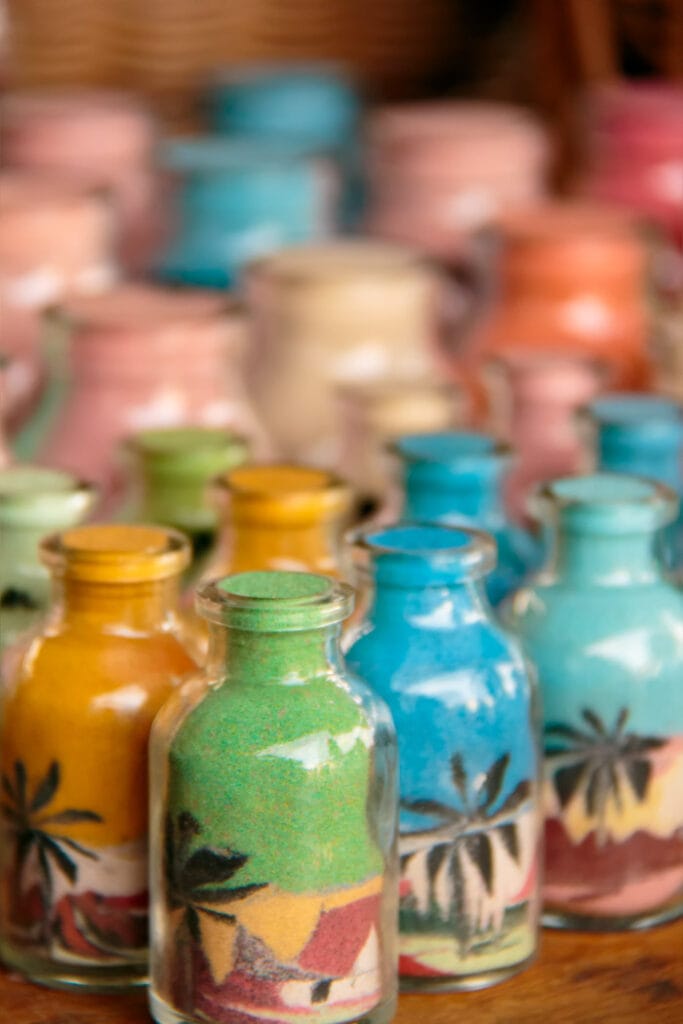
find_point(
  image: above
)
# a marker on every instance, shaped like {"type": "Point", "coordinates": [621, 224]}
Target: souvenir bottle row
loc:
{"type": "Point", "coordinates": [114, 648]}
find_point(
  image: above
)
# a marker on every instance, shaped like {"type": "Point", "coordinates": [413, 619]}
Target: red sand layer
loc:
{"type": "Point", "coordinates": [638, 875]}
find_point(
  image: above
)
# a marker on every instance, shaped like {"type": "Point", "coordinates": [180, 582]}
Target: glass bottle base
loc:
{"type": "Point", "coordinates": [464, 982]}
{"type": "Point", "coordinates": [162, 1013]}
{"type": "Point", "coordinates": [594, 923]}
{"type": "Point", "coordinates": [64, 975]}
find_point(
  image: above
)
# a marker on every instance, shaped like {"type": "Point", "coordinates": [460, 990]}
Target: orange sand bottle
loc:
{"type": "Point", "coordinates": [281, 517]}
{"type": "Point", "coordinates": [75, 721]}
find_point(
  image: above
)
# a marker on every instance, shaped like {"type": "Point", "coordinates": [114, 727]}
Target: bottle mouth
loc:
{"type": "Point", "coordinates": [606, 503]}
{"type": "Point", "coordinates": [274, 601]}
{"type": "Point", "coordinates": [36, 496]}
{"type": "Point", "coordinates": [110, 553]}
{"type": "Point", "coordinates": [453, 448]}
{"type": "Point", "coordinates": [188, 451]}
{"type": "Point", "coordinates": [624, 415]}
{"type": "Point", "coordinates": [283, 494]}
{"type": "Point", "coordinates": [414, 553]}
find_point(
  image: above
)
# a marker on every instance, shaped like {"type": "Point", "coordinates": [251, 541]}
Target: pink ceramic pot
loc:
{"type": "Point", "coordinates": [147, 357]}
{"type": "Point", "coordinates": [535, 398]}
{"type": "Point", "coordinates": [55, 242]}
{"type": "Point", "coordinates": [572, 278]}
{"type": "Point", "coordinates": [636, 150]}
{"type": "Point", "coordinates": [97, 138]}
{"type": "Point", "coordinates": [441, 171]}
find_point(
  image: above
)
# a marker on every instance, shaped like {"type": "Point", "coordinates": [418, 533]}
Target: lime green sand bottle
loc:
{"type": "Point", "coordinates": [172, 469]}
{"type": "Point", "coordinates": [274, 805]}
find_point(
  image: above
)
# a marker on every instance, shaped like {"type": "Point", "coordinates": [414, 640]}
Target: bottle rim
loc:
{"type": "Point", "coordinates": [274, 601]}
{"type": "Point", "coordinates": [37, 495]}
{"type": "Point", "coordinates": [280, 492]}
{"type": "Point", "coordinates": [606, 503]}
{"type": "Point", "coordinates": [116, 553]}
{"type": "Point", "coordinates": [423, 552]}
{"type": "Point", "coordinates": [456, 448]}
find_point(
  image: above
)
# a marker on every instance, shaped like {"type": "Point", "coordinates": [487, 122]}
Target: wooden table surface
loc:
{"type": "Point", "coordinates": [579, 979]}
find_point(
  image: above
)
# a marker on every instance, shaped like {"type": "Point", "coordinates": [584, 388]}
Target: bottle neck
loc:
{"type": "Point", "coordinates": [603, 559]}
{"type": "Point", "coordinates": [661, 463]}
{"type": "Point", "coordinates": [252, 658]}
{"type": "Point", "coordinates": [316, 547]}
{"type": "Point", "coordinates": [429, 607]}
{"type": "Point", "coordinates": [138, 608]}
{"type": "Point", "coordinates": [476, 496]}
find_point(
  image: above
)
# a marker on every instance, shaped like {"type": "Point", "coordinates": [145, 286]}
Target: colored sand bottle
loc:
{"type": "Point", "coordinates": [274, 866]}
{"type": "Point", "coordinates": [76, 715]}
{"type": "Point", "coordinates": [463, 705]}
{"type": "Point", "coordinates": [33, 501]}
{"type": "Point", "coordinates": [643, 435]}
{"type": "Point", "coordinates": [174, 467]}
{"type": "Point", "coordinates": [603, 626]}
{"type": "Point", "coordinates": [281, 517]}
{"type": "Point", "coordinates": [457, 478]}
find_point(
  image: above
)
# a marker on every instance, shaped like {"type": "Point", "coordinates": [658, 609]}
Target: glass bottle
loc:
{"type": "Point", "coordinates": [274, 796]}
{"type": "Point", "coordinates": [457, 478]}
{"type": "Point", "coordinates": [335, 313]}
{"type": "Point", "coordinates": [603, 625]}
{"type": "Point", "coordinates": [173, 468]}
{"type": "Point", "coordinates": [281, 517]}
{"type": "Point", "coordinates": [643, 435]}
{"type": "Point", "coordinates": [534, 400]}
{"type": "Point", "coordinates": [33, 502]}
{"type": "Point", "coordinates": [464, 707]}
{"type": "Point", "coordinates": [374, 414]}
{"type": "Point", "coordinates": [76, 715]}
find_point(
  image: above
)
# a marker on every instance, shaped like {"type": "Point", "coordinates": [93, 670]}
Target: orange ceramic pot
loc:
{"type": "Point", "coordinates": [76, 717]}
{"type": "Point", "coordinates": [281, 517]}
{"type": "Point", "coordinates": [572, 277]}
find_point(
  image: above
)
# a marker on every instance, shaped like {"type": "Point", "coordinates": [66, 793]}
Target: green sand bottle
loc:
{"type": "Point", "coordinates": [172, 469]}
{"type": "Point", "coordinates": [274, 810]}
{"type": "Point", "coordinates": [33, 502]}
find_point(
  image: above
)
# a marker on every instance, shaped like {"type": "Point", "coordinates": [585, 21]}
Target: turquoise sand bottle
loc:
{"type": "Point", "coordinates": [456, 478]}
{"type": "Point", "coordinates": [274, 861]}
{"type": "Point", "coordinates": [464, 708]}
{"type": "Point", "coordinates": [603, 626]}
{"type": "Point", "coordinates": [643, 435]}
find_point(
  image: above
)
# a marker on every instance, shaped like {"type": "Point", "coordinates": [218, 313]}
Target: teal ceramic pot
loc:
{"type": "Point", "coordinates": [457, 478]}
{"type": "Point", "coordinates": [464, 709]}
{"type": "Point", "coordinates": [643, 435]}
{"type": "Point", "coordinates": [237, 200]}
{"type": "Point", "coordinates": [604, 628]}
{"type": "Point", "coordinates": [314, 106]}
{"type": "Point", "coordinates": [274, 805]}
{"type": "Point", "coordinates": [33, 502]}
